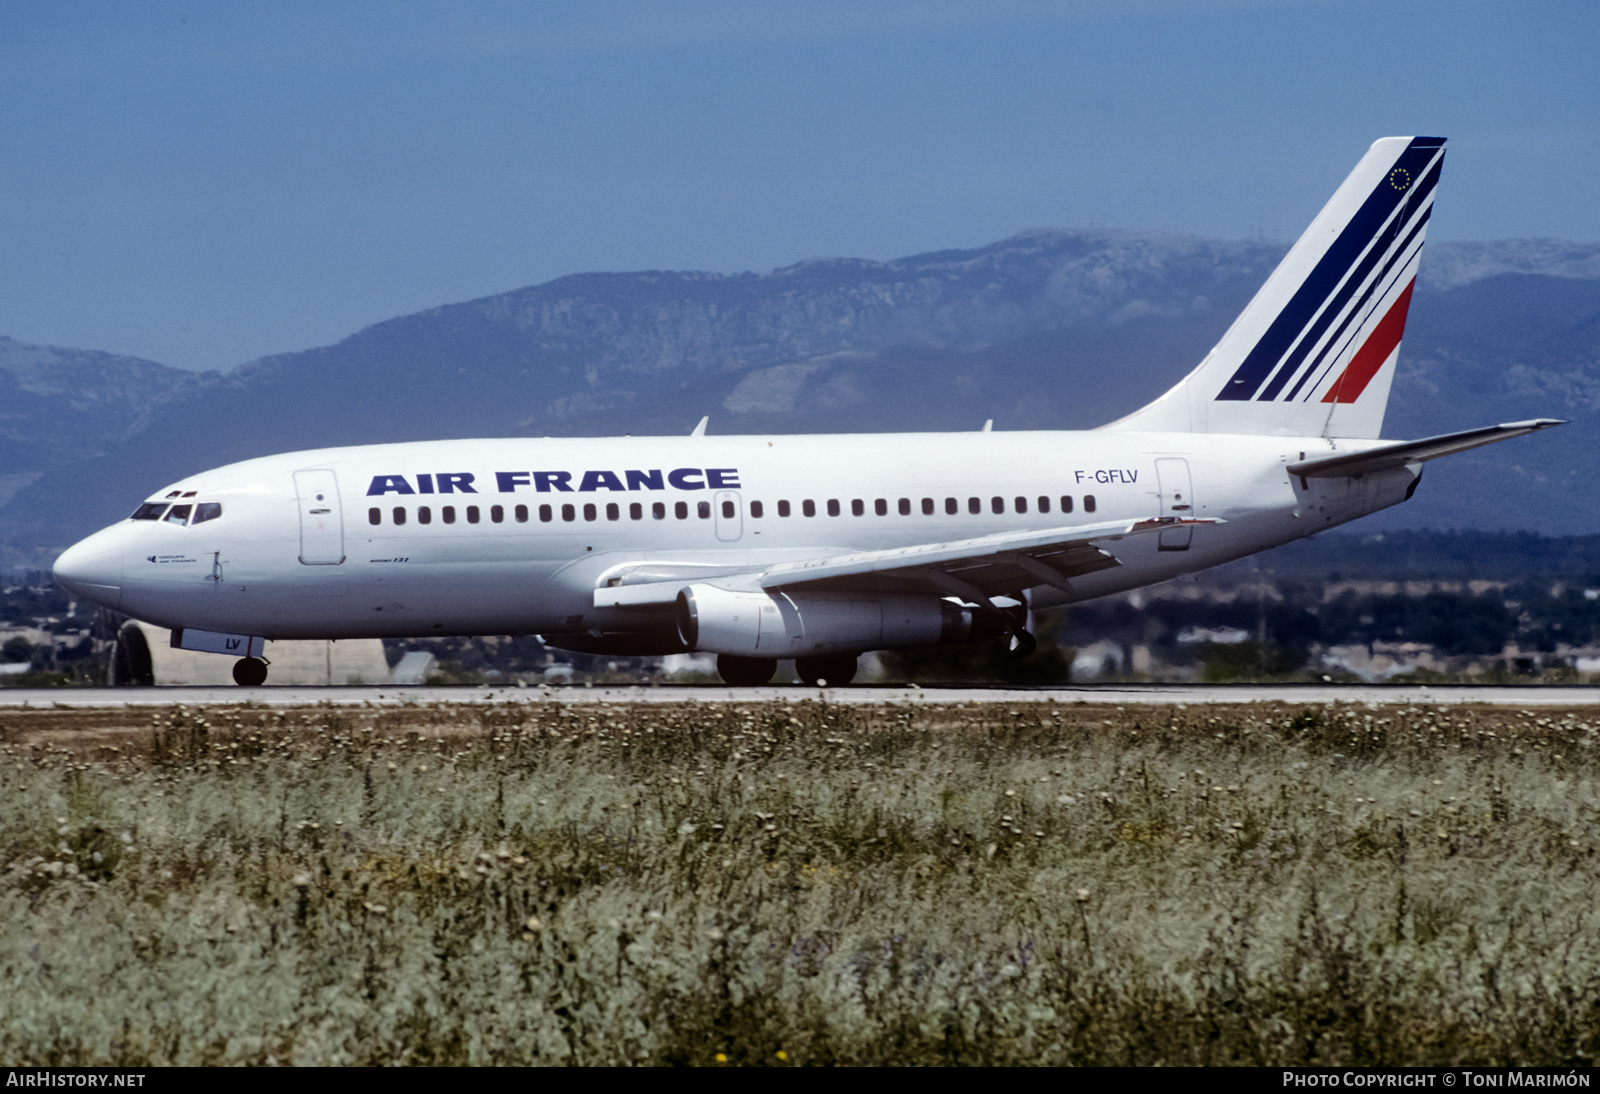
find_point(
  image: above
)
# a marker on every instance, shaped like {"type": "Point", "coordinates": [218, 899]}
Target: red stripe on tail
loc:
{"type": "Point", "coordinates": [1371, 356]}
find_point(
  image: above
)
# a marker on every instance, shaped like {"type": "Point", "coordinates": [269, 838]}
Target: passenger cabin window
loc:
{"type": "Point", "coordinates": [704, 509]}
{"type": "Point", "coordinates": [635, 511]}
{"type": "Point", "coordinates": [833, 507]}
{"type": "Point", "coordinates": [497, 513]}
{"type": "Point", "coordinates": [1022, 505]}
{"type": "Point", "coordinates": [1088, 503]}
{"type": "Point", "coordinates": [998, 504]}
{"type": "Point", "coordinates": [658, 510]}
{"type": "Point", "coordinates": [472, 514]}
{"type": "Point", "coordinates": [783, 508]}
{"type": "Point", "coordinates": [951, 506]}
{"type": "Point", "coordinates": [151, 510]}
{"type": "Point", "coordinates": [927, 507]}
{"type": "Point", "coordinates": [425, 515]}
{"type": "Point", "coordinates": [569, 513]}
{"type": "Point", "coordinates": [546, 514]}
{"type": "Point", "coordinates": [808, 507]}
{"type": "Point", "coordinates": [756, 509]}
{"type": "Point", "coordinates": [589, 511]}
{"type": "Point", "coordinates": [905, 507]}
{"type": "Point", "coordinates": [399, 514]}
{"type": "Point", "coordinates": [612, 511]}
{"type": "Point", "coordinates": [179, 514]}
{"type": "Point", "coordinates": [447, 514]}
{"type": "Point", "coordinates": [1066, 503]}
{"type": "Point", "coordinates": [1044, 504]}
{"type": "Point", "coordinates": [857, 508]}
{"type": "Point", "coordinates": [727, 510]}
{"type": "Point", "coordinates": [374, 516]}
{"type": "Point", "coordinates": [680, 509]}
{"type": "Point", "coordinates": [974, 506]}
{"type": "Point", "coordinates": [521, 513]}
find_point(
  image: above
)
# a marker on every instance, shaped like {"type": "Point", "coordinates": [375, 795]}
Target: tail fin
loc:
{"type": "Point", "coordinates": [1314, 353]}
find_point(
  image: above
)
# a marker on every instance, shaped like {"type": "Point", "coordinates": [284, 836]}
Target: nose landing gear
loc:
{"type": "Point", "coordinates": [249, 672]}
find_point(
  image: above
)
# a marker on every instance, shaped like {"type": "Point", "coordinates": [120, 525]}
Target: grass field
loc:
{"type": "Point", "coordinates": [800, 883]}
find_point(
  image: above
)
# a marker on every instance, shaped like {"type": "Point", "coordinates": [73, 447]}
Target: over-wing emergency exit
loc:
{"type": "Point", "coordinates": [817, 548]}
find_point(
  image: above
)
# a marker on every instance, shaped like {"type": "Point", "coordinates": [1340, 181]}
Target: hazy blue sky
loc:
{"type": "Point", "coordinates": [202, 184]}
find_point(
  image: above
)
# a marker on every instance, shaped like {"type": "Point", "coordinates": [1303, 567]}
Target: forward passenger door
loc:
{"type": "Point", "coordinates": [321, 522]}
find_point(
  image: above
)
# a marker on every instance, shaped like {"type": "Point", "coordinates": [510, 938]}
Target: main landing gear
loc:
{"type": "Point", "coordinates": [831, 670]}
{"type": "Point", "coordinates": [1020, 644]}
{"type": "Point", "coordinates": [745, 672]}
{"type": "Point", "coordinates": [249, 672]}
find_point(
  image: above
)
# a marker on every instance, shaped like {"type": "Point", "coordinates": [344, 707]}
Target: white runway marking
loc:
{"type": "Point", "coordinates": [1115, 694]}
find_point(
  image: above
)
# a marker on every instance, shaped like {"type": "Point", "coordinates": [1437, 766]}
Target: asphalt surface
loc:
{"type": "Point", "coordinates": [1115, 694]}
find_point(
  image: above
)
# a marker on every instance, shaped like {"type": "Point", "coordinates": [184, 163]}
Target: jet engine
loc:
{"type": "Point", "coordinates": [770, 625]}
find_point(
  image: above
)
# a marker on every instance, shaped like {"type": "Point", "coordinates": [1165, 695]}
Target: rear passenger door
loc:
{"type": "Point", "coordinates": [321, 523]}
{"type": "Point", "coordinates": [1177, 500]}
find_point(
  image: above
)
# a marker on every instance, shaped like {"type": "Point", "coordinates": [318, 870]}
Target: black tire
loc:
{"type": "Point", "coordinates": [835, 669]}
{"type": "Point", "coordinates": [1021, 644]}
{"type": "Point", "coordinates": [249, 672]}
{"type": "Point", "coordinates": [745, 672]}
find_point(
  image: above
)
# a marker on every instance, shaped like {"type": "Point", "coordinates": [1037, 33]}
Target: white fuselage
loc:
{"type": "Point", "coordinates": [282, 563]}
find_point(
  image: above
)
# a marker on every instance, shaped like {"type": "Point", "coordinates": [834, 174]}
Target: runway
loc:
{"type": "Point", "coordinates": [1108, 694]}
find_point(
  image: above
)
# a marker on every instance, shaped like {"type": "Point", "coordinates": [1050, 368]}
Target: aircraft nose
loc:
{"type": "Point", "coordinates": [92, 568]}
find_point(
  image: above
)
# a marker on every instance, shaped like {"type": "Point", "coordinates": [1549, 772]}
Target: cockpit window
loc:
{"type": "Point", "coordinates": [150, 510]}
{"type": "Point", "coordinates": [179, 514]}
{"type": "Point", "coordinates": [206, 510]}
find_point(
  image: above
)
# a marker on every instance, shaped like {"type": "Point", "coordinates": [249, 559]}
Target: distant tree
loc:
{"type": "Point", "coordinates": [17, 649]}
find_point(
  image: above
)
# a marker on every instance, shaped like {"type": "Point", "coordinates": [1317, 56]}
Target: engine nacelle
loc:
{"type": "Point", "coordinates": [761, 624]}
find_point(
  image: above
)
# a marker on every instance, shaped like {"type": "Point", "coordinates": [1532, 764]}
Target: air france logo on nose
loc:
{"type": "Point", "coordinates": [561, 482]}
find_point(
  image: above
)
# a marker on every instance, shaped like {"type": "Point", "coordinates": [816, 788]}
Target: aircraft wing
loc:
{"type": "Point", "coordinates": [1356, 464]}
{"type": "Point", "coordinates": [973, 569]}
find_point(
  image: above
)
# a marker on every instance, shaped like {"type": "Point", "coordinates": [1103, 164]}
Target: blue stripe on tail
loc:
{"type": "Point", "coordinates": [1263, 358]}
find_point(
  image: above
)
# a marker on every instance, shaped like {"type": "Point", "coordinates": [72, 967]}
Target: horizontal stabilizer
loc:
{"type": "Point", "coordinates": [1355, 464]}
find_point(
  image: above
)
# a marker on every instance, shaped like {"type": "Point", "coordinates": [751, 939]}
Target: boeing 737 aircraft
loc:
{"type": "Point", "coordinates": [817, 548]}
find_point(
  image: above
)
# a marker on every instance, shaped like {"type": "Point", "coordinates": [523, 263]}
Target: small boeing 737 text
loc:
{"type": "Point", "coordinates": [817, 548]}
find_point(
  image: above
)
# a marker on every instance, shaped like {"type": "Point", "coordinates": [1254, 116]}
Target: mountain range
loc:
{"type": "Point", "coordinates": [1045, 330]}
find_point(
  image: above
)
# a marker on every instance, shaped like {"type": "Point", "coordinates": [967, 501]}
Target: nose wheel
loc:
{"type": "Point", "coordinates": [249, 672]}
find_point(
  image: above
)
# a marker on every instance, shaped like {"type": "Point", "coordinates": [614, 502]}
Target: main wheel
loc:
{"type": "Point", "coordinates": [745, 672]}
{"type": "Point", "coordinates": [249, 672]}
{"type": "Point", "coordinates": [1021, 644]}
{"type": "Point", "coordinates": [832, 670]}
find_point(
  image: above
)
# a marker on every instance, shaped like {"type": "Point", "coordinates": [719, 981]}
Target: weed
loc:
{"type": "Point", "coordinates": [795, 882]}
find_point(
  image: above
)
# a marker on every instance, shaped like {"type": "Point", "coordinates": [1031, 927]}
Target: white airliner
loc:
{"type": "Point", "coordinates": [817, 548]}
